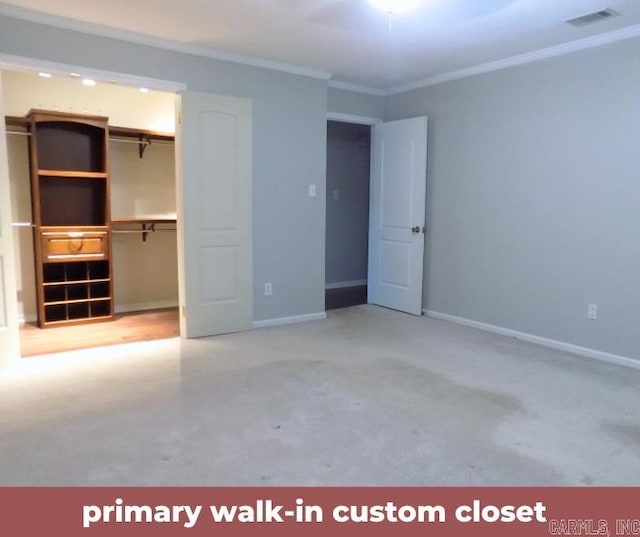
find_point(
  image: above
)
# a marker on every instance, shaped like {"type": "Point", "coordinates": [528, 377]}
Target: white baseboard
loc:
{"type": "Point", "coordinates": [22, 319]}
{"type": "Point", "coordinates": [342, 285]}
{"type": "Point", "coordinates": [290, 320]}
{"type": "Point", "coordinates": [144, 306]}
{"type": "Point", "coordinates": [554, 344]}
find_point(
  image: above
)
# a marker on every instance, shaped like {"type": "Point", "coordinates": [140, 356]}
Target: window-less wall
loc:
{"type": "Point", "coordinates": [533, 197]}
{"type": "Point", "coordinates": [353, 103]}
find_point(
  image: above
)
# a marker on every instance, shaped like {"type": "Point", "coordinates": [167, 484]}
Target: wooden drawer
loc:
{"type": "Point", "coordinates": [70, 246]}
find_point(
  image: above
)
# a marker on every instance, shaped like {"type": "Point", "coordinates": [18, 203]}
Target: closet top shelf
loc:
{"type": "Point", "coordinates": [119, 132]}
{"type": "Point", "coordinates": [126, 132]}
{"type": "Point", "coordinates": [15, 121]}
{"type": "Point", "coordinates": [151, 220]}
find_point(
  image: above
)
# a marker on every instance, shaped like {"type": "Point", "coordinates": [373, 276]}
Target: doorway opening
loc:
{"type": "Point", "coordinates": [141, 207]}
{"type": "Point", "coordinates": [347, 220]}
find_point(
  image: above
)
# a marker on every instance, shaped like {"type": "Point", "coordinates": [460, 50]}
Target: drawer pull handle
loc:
{"type": "Point", "coordinates": [77, 247]}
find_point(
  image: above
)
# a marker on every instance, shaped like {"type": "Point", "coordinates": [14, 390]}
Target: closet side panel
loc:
{"type": "Point", "coordinates": [18, 153]}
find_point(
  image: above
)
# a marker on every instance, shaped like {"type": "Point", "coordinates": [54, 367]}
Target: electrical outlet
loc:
{"type": "Point", "coordinates": [312, 191]}
{"type": "Point", "coordinates": [592, 311]}
{"type": "Point", "coordinates": [268, 289]}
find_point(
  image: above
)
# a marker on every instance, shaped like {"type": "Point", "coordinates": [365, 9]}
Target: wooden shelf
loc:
{"type": "Point", "coordinates": [77, 301]}
{"type": "Point", "coordinates": [73, 174]}
{"type": "Point", "coordinates": [75, 282]}
{"type": "Point", "coordinates": [114, 131]}
{"type": "Point", "coordinates": [57, 230]}
{"type": "Point", "coordinates": [138, 221]}
{"type": "Point", "coordinates": [146, 225]}
{"type": "Point", "coordinates": [140, 134]}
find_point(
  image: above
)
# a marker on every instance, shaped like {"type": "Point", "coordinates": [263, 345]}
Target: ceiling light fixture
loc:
{"type": "Point", "coordinates": [89, 82]}
{"type": "Point", "coordinates": [45, 75]}
{"type": "Point", "coordinates": [144, 90]}
{"type": "Point", "coordinates": [395, 6]}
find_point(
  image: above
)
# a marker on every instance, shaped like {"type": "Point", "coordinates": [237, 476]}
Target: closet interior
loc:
{"type": "Point", "coordinates": [92, 174]}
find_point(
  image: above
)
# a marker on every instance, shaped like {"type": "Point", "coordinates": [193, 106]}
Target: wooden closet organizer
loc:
{"type": "Point", "coordinates": [70, 201]}
{"type": "Point", "coordinates": [69, 167]}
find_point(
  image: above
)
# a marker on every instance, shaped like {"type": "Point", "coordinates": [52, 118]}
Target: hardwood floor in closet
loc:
{"type": "Point", "coordinates": [125, 328]}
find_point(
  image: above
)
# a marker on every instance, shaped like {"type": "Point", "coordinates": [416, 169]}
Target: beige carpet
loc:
{"type": "Point", "coordinates": [367, 397]}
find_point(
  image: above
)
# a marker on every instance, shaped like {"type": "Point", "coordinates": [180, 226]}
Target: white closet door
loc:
{"type": "Point", "coordinates": [397, 214]}
{"type": "Point", "coordinates": [214, 137]}
{"type": "Point", "coordinates": [9, 346]}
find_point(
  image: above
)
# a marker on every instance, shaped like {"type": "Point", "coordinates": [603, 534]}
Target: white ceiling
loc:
{"type": "Point", "coordinates": [349, 39]}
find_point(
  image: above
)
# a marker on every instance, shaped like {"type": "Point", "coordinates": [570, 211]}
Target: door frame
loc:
{"type": "Point", "coordinates": [368, 121]}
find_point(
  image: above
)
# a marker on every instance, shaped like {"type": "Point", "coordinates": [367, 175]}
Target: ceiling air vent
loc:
{"type": "Point", "coordinates": [591, 18]}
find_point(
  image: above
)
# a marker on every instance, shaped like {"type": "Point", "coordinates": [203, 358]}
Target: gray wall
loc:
{"type": "Point", "coordinates": [348, 155]}
{"type": "Point", "coordinates": [353, 103]}
{"type": "Point", "coordinates": [289, 149]}
{"type": "Point", "coordinates": [534, 196]}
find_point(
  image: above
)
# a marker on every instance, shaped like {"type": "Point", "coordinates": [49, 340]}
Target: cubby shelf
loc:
{"type": "Point", "coordinates": [78, 301]}
{"type": "Point", "coordinates": [75, 282]}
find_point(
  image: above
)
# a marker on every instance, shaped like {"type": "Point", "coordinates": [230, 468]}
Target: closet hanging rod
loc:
{"type": "Point", "coordinates": [125, 141]}
{"type": "Point", "coordinates": [138, 231]}
{"type": "Point", "coordinates": [144, 232]}
{"type": "Point", "coordinates": [19, 133]}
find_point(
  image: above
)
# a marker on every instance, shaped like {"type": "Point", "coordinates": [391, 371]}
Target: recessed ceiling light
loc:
{"type": "Point", "coordinates": [45, 75]}
{"type": "Point", "coordinates": [395, 6]}
{"type": "Point", "coordinates": [75, 75]}
{"type": "Point", "coordinates": [144, 90]}
{"type": "Point", "coordinates": [89, 82]}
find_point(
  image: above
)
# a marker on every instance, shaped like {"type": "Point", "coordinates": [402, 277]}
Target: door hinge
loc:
{"type": "Point", "coordinates": [179, 118]}
{"type": "Point", "coordinates": [184, 311]}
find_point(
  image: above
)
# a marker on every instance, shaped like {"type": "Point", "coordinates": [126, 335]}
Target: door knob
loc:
{"type": "Point", "coordinates": [415, 229]}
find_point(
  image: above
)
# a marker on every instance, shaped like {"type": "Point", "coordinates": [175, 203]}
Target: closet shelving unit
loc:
{"type": "Point", "coordinates": [71, 219]}
{"type": "Point", "coordinates": [70, 209]}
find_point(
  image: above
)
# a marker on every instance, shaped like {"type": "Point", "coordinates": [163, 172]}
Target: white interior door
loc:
{"type": "Point", "coordinates": [214, 139]}
{"type": "Point", "coordinates": [397, 214]}
{"type": "Point", "coordinates": [9, 347]}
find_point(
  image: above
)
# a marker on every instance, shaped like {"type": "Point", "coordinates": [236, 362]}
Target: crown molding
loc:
{"type": "Point", "coordinates": [142, 39]}
{"type": "Point", "coordinates": [55, 21]}
{"type": "Point", "coordinates": [9, 61]}
{"type": "Point", "coordinates": [338, 84]}
{"type": "Point", "coordinates": [522, 59]}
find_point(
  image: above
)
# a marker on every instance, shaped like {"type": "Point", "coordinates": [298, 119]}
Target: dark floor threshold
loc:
{"type": "Point", "coordinates": [345, 297]}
